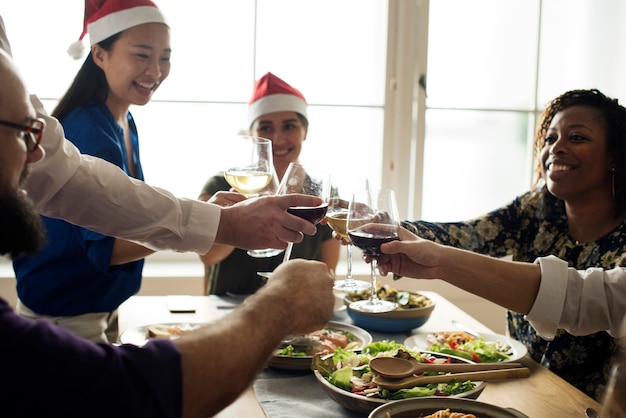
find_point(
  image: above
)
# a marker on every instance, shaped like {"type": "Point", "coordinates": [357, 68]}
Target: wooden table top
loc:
{"type": "Point", "coordinates": [543, 394]}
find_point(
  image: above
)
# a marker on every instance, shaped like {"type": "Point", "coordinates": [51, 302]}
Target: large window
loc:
{"type": "Point", "coordinates": [333, 51]}
{"type": "Point", "coordinates": [492, 67]}
{"type": "Point", "coordinates": [452, 151]}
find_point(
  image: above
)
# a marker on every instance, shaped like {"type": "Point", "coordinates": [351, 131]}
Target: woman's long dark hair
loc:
{"type": "Point", "coordinates": [90, 84]}
{"type": "Point", "coordinates": [614, 116]}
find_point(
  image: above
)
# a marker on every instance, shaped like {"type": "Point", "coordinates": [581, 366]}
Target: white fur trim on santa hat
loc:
{"type": "Point", "coordinates": [276, 103]}
{"type": "Point", "coordinates": [113, 23]}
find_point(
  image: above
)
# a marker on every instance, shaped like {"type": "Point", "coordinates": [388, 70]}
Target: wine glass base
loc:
{"type": "Point", "coordinates": [265, 253]}
{"type": "Point", "coordinates": [265, 274]}
{"type": "Point", "coordinates": [351, 285]}
{"type": "Point", "coordinates": [378, 306]}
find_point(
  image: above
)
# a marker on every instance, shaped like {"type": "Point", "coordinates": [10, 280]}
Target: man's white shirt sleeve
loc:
{"type": "Point", "coordinates": [581, 302]}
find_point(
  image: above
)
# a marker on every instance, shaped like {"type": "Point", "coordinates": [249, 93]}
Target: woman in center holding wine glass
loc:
{"type": "Point", "coordinates": [277, 111]}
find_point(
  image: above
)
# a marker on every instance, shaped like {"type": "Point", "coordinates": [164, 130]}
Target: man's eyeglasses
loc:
{"type": "Point", "coordinates": [31, 134]}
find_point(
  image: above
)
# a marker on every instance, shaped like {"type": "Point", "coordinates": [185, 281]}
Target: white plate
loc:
{"type": "Point", "coordinates": [304, 362]}
{"type": "Point", "coordinates": [139, 335]}
{"type": "Point", "coordinates": [419, 342]}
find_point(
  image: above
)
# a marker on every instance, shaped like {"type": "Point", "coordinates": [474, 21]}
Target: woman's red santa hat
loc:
{"type": "Point", "coordinates": [105, 18]}
{"type": "Point", "coordinates": [271, 94]}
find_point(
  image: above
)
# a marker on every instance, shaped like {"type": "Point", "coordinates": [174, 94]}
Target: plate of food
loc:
{"type": "Point", "coordinates": [140, 335]}
{"type": "Point", "coordinates": [296, 352]}
{"type": "Point", "coordinates": [347, 379]}
{"type": "Point", "coordinates": [427, 408]}
{"type": "Point", "coordinates": [489, 348]}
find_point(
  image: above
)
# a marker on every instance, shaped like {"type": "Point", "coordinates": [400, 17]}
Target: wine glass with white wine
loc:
{"type": "Point", "coordinates": [249, 164]}
{"type": "Point", "coordinates": [337, 220]}
{"type": "Point", "coordinates": [269, 190]}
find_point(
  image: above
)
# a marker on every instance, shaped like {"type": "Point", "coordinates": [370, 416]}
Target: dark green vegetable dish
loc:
{"type": "Point", "coordinates": [404, 299]}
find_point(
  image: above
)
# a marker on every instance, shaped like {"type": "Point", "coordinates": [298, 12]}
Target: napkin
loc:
{"type": "Point", "coordinates": [286, 394]}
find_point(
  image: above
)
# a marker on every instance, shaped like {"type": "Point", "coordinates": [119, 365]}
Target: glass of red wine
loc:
{"type": "Point", "coordinates": [304, 179]}
{"type": "Point", "coordinates": [373, 220]}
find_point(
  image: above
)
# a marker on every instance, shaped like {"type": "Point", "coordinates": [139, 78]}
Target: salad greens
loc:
{"type": "Point", "coordinates": [350, 371]}
{"type": "Point", "coordinates": [476, 350]}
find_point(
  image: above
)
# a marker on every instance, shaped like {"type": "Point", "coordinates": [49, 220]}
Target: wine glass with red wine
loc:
{"type": "Point", "coordinates": [373, 220]}
{"type": "Point", "coordinates": [304, 179]}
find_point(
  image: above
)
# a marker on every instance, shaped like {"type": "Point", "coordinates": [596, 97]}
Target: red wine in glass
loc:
{"type": "Point", "coordinates": [311, 214]}
{"type": "Point", "coordinates": [372, 221]}
{"type": "Point", "coordinates": [370, 237]}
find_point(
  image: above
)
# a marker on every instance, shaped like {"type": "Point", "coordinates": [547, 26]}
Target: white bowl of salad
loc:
{"type": "Point", "coordinates": [347, 379]}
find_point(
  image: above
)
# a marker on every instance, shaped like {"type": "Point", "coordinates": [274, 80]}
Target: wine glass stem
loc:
{"type": "Point", "coordinates": [373, 289]}
{"type": "Point", "coordinates": [349, 262]}
{"type": "Point", "coordinates": [288, 252]}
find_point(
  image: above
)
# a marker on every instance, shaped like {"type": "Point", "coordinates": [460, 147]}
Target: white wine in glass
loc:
{"type": "Point", "coordinates": [249, 164]}
{"type": "Point", "coordinates": [269, 190]}
{"type": "Point", "coordinates": [373, 221]}
{"type": "Point", "coordinates": [337, 220]}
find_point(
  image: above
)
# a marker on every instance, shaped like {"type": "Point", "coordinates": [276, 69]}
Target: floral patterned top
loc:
{"type": "Point", "coordinates": [535, 225]}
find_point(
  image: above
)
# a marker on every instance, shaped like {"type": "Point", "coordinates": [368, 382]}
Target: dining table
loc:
{"type": "Point", "coordinates": [296, 393]}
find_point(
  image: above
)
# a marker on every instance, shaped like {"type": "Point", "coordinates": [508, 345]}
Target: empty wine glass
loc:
{"type": "Point", "coordinates": [372, 221]}
{"type": "Point", "coordinates": [614, 402]}
{"type": "Point", "coordinates": [310, 181]}
{"type": "Point", "coordinates": [336, 218]}
{"type": "Point", "coordinates": [249, 164]}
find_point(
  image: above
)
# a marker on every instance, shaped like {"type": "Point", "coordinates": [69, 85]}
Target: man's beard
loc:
{"type": "Point", "coordinates": [21, 229]}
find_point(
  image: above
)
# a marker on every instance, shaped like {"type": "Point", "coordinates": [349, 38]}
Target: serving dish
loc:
{"type": "Point", "coordinates": [517, 350]}
{"type": "Point", "coordinates": [412, 408]}
{"type": "Point", "coordinates": [400, 319]}
{"type": "Point", "coordinates": [361, 336]}
{"type": "Point", "coordinates": [140, 335]}
{"type": "Point", "coordinates": [364, 404]}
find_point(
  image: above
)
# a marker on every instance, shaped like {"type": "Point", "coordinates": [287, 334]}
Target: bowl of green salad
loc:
{"type": "Point", "coordinates": [347, 379]}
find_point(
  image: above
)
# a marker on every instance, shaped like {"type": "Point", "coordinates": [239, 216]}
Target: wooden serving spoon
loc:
{"type": "Point", "coordinates": [396, 367]}
{"type": "Point", "coordinates": [409, 382]}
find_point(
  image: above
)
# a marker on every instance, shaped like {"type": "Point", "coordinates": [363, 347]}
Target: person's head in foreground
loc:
{"type": "Point", "coordinates": [21, 230]}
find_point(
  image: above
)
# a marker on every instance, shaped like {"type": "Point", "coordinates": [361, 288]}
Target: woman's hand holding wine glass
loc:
{"type": "Point", "coordinates": [373, 220]}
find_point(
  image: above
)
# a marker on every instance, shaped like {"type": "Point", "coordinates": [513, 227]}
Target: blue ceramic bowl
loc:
{"type": "Point", "coordinates": [398, 320]}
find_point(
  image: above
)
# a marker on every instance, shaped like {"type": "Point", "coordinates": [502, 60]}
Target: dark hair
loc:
{"type": "Point", "coordinates": [614, 116]}
{"type": "Point", "coordinates": [90, 84]}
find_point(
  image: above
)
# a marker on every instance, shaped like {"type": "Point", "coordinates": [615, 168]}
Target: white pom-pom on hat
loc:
{"type": "Point", "coordinates": [76, 49]}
